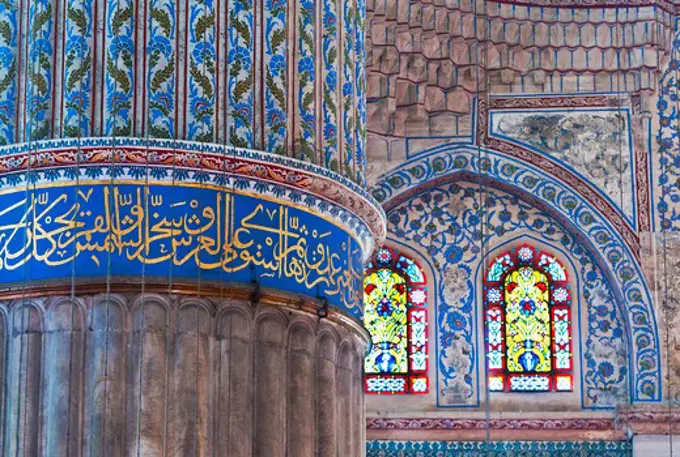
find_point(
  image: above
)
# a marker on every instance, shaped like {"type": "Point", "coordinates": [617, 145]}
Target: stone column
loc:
{"type": "Point", "coordinates": [205, 377]}
{"type": "Point", "coordinates": [183, 229]}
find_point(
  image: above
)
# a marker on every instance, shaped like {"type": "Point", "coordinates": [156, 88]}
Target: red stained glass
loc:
{"type": "Point", "coordinates": [395, 315]}
{"type": "Point", "coordinates": [528, 322]}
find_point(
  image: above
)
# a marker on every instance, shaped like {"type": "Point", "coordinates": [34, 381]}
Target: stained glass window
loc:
{"type": "Point", "coordinates": [528, 323]}
{"type": "Point", "coordinates": [395, 315]}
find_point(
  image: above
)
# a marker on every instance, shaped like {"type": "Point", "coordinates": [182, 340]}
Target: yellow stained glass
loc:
{"type": "Point", "coordinates": [527, 321]}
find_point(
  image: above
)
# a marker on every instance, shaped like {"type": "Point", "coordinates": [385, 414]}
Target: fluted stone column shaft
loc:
{"type": "Point", "coordinates": [152, 375]}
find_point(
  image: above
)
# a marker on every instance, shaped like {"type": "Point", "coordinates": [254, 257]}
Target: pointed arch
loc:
{"type": "Point", "coordinates": [615, 252]}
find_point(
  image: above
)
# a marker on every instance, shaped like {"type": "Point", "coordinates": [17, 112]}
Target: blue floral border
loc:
{"type": "Point", "coordinates": [497, 448]}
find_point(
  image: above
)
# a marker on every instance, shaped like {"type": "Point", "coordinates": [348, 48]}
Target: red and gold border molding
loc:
{"type": "Point", "coordinates": [500, 429]}
{"type": "Point", "coordinates": [53, 155]}
{"type": "Point", "coordinates": [585, 189]}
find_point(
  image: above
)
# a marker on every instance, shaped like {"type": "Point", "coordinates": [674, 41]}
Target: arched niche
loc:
{"type": "Point", "coordinates": [611, 249]}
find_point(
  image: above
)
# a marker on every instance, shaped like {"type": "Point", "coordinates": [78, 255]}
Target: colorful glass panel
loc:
{"type": "Point", "coordinates": [418, 340]}
{"type": "Point", "coordinates": [412, 270]}
{"type": "Point", "coordinates": [419, 384]}
{"type": "Point", "coordinates": [386, 384]}
{"type": "Point", "coordinates": [395, 316]}
{"type": "Point", "coordinates": [563, 383]}
{"type": "Point", "coordinates": [530, 383]}
{"type": "Point", "coordinates": [499, 267]}
{"type": "Point", "coordinates": [552, 266]}
{"type": "Point", "coordinates": [496, 383]}
{"type": "Point", "coordinates": [494, 327]}
{"type": "Point", "coordinates": [561, 338]}
{"type": "Point", "coordinates": [385, 318]}
{"type": "Point", "coordinates": [528, 322]}
{"type": "Point", "coordinates": [383, 257]}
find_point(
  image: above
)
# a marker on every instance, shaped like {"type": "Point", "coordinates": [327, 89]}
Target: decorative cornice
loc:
{"type": "Point", "coordinates": [493, 424]}
{"type": "Point", "coordinates": [654, 421]}
{"type": "Point", "coordinates": [655, 417]}
{"type": "Point", "coordinates": [476, 430]}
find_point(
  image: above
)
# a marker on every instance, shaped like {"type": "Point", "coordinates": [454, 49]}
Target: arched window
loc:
{"type": "Point", "coordinates": [528, 325]}
{"type": "Point", "coordinates": [395, 315]}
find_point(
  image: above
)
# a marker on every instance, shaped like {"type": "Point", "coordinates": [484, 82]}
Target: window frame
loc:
{"type": "Point", "coordinates": [415, 380]}
{"type": "Point", "coordinates": [560, 378]}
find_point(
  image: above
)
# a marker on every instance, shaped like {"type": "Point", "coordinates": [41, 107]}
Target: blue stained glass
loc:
{"type": "Point", "coordinates": [500, 266]}
{"type": "Point", "coordinates": [411, 269]}
{"type": "Point", "coordinates": [552, 266]}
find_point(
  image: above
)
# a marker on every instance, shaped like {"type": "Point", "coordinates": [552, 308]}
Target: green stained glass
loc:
{"type": "Point", "coordinates": [500, 266]}
{"type": "Point", "coordinates": [385, 318]}
{"type": "Point", "coordinates": [552, 266]}
{"type": "Point", "coordinates": [527, 321]}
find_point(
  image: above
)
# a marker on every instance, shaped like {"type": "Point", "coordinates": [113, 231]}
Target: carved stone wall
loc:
{"type": "Point", "coordinates": [159, 375]}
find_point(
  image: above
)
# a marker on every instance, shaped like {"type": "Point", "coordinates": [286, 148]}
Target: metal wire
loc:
{"type": "Point", "coordinates": [664, 269]}
{"type": "Point", "coordinates": [620, 131]}
{"type": "Point", "coordinates": [29, 206]}
{"type": "Point", "coordinates": [664, 266]}
{"type": "Point", "coordinates": [481, 54]}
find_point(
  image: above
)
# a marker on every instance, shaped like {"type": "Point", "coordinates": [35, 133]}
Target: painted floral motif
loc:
{"type": "Point", "coordinates": [425, 221]}
{"type": "Point", "coordinates": [8, 71]}
{"type": "Point", "coordinates": [161, 78]}
{"type": "Point", "coordinates": [330, 83]}
{"type": "Point", "coordinates": [160, 74]}
{"type": "Point", "coordinates": [668, 141]}
{"type": "Point", "coordinates": [306, 138]}
{"type": "Point", "coordinates": [40, 70]}
{"type": "Point", "coordinates": [201, 54]}
{"type": "Point", "coordinates": [276, 67]}
{"type": "Point", "coordinates": [120, 76]}
{"type": "Point", "coordinates": [605, 361]}
{"type": "Point", "coordinates": [240, 83]}
{"type": "Point", "coordinates": [360, 75]}
{"type": "Point", "coordinates": [596, 144]}
{"type": "Point", "coordinates": [497, 448]}
{"type": "Point", "coordinates": [348, 88]}
{"type": "Point", "coordinates": [77, 69]}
